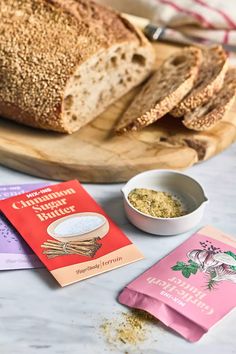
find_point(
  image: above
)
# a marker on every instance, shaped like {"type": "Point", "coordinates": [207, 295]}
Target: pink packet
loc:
{"type": "Point", "coordinates": [185, 289]}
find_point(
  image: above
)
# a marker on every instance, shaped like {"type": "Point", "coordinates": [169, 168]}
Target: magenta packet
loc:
{"type": "Point", "coordinates": [14, 251]}
{"type": "Point", "coordinates": [185, 289]}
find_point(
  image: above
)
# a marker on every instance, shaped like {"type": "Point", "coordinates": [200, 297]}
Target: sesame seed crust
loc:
{"type": "Point", "coordinates": [42, 42]}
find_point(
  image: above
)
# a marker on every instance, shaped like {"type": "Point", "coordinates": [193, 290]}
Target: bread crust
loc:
{"type": "Point", "coordinates": [163, 91]}
{"type": "Point", "coordinates": [209, 81]}
{"type": "Point", "coordinates": [42, 42]}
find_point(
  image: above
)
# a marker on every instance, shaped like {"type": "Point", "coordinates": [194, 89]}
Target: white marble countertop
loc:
{"type": "Point", "coordinates": [36, 316]}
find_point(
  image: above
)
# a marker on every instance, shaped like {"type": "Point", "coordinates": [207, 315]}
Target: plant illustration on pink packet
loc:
{"type": "Point", "coordinates": [215, 264]}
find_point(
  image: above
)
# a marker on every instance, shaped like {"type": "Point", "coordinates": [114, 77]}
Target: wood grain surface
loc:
{"type": "Point", "coordinates": [95, 154]}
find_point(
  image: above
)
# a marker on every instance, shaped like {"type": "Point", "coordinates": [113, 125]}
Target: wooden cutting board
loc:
{"type": "Point", "coordinates": [94, 154]}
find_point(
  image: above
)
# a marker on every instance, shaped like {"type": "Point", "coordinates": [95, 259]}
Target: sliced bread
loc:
{"type": "Point", "coordinates": [206, 116]}
{"type": "Point", "coordinates": [163, 91]}
{"type": "Point", "coordinates": [210, 80]}
{"type": "Point", "coordinates": [64, 61]}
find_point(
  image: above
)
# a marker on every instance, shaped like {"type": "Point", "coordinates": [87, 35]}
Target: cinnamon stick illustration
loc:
{"type": "Point", "coordinates": [87, 248]}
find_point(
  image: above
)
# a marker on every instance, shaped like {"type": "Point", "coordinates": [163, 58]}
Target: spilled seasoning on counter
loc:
{"type": "Point", "coordinates": [131, 328]}
{"type": "Point", "coordinates": [156, 203]}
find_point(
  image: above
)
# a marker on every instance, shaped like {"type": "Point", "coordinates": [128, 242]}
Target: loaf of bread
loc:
{"type": "Point", "coordinates": [64, 61]}
{"type": "Point", "coordinates": [163, 91]}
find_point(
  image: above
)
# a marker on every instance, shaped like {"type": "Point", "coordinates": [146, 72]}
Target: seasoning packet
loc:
{"type": "Point", "coordinates": [69, 232]}
{"type": "Point", "coordinates": [14, 251]}
{"type": "Point", "coordinates": [191, 288]}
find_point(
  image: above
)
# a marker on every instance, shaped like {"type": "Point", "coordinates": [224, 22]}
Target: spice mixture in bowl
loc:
{"type": "Point", "coordinates": [164, 202]}
{"type": "Point", "coordinates": [156, 203]}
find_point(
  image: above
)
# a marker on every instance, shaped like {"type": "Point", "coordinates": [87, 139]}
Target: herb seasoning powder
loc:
{"type": "Point", "coordinates": [156, 203]}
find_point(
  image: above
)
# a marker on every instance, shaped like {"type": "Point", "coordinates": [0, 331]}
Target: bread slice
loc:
{"type": "Point", "coordinates": [210, 80]}
{"type": "Point", "coordinates": [64, 61]}
{"type": "Point", "coordinates": [206, 116]}
{"type": "Point", "coordinates": [170, 83]}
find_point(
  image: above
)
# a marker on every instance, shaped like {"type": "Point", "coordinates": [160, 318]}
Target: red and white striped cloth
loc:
{"type": "Point", "coordinates": [213, 19]}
